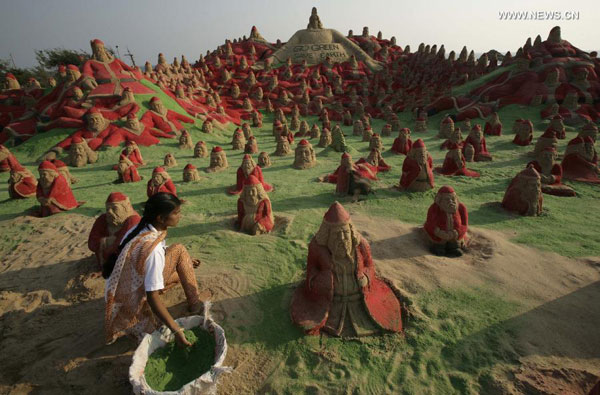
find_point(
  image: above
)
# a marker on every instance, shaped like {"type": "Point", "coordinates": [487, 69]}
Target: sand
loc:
{"type": "Point", "coordinates": [51, 303]}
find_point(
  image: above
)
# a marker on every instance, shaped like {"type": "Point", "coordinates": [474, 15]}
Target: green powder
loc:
{"type": "Point", "coordinates": [171, 367]}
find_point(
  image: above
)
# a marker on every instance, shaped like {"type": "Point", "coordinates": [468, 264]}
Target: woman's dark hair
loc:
{"type": "Point", "coordinates": [160, 204]}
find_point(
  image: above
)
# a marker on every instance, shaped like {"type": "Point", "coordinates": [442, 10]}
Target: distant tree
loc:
{"type": "Point", "coordinates": [50, 59]}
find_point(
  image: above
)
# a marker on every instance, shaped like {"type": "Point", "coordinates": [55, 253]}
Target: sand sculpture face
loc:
{"type": "Point", "coordinates": [375, 143]}
{"type": "Point", "coordinates": [100, 53]}
{"type": "Point", "coordinates": [190, 175]}
{"type": "Point", "coordinates": [304, 157]}
{"type": "Point", "coordinates": [170, 160]}
{"type": "Point", "coordinates": [264, 160]}
{"type": "Point", "coordinates": [132, 123]}
{"type": "Point", "coordinates": [158, 179]}
{"type": "Point", "coordinates": [78, 155]}
{"type": "Point", "coordinates": [346, 161]}
{"type": "Point", "coordinates": [247, 166]}
{"type": "Point", "coordinates": [419, 155]}
{"type": "Point", "coordinates": [448, 202]}
{"type": "Point", "coordinates": [96, 122]}
{"type": "Point", "coordinates": [47, 177]}
{"type": "Point", "coordinates": [218, 160]}
{"type": "Point", "coordinates": [118, 212]}
{"type": "Point", "coordinates": [200, 150]}
{"type": "Point", "coordinates": [340, 241]}
{"type": "Point", "coordinates": [158, 106]}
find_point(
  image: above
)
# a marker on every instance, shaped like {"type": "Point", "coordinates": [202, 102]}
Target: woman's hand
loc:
{"type": "Point", "coordinates": [181, 339]}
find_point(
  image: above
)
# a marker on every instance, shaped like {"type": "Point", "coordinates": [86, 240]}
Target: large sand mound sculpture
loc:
{"type": "Point", "coordinates": [315, 43]}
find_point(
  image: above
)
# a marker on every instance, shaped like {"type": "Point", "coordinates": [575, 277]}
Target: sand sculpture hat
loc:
{"type": "Point", "coordinates": [47, 165]}
{"type": "Point", "coordinates": [445, 189]}
{"type": "Point", "coordinates": [251, 180]}
{"type": "Point", "coordinates": [158, 170]}
{"type": "Point", "coordinates": [336, 215]}
{"type": "Point", "coordinates": [419, 144]}
{"type": "Point", "coordinates": [303, 142]}
{"type": "Point", "coordinates": [189, 166]}
{"type": "Point", "coordinates": [115, 197]}
{"type": "Point", "coordinates": [217, 149]}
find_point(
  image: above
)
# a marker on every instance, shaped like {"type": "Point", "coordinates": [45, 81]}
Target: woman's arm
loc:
{"type": "Point", "coordinates": [163, 314]}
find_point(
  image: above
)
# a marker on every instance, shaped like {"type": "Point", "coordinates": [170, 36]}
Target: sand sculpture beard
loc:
{"type": "Point", "coordinates": [264, 160]}
{"type": "Point", "coordinates": [97, 123]}
{"type": "Point", "coordinates": [78, 156]}
{"type": "Point", "coordinates": [101, 54]}
{"type": "Point", "coordinates": [200, 151]}
{"type": "Point", "coordinates": [72, 76]}
{"type": "Point", "coordinates": [116, 215]}
{"type": "Point", "coordinates": [158, 108]}
{"type": "Point", "coordinates": [46, 180]}
{"type": "Point", "coordinates": [159, 179]}
{"type": "Point", "coordinates": [18, 176]}
{"type": "Point", "coordinates": [448, 202]}
{"type": "Point", "coordinates": [457, 157]}
{"type": "Point", "coordinates": [191, 175]}
{"type": "Point", "coordinates": [217, 162]}
{"type": "Point", "coordinates": [247, 168]}
{"type": "Point", "coordinates": [546, 161]}
{"type": "Point", "coordinates": [530, 191]}
{"type": "Point", "coordinates": [122, 167]}
{"type": "Point", "coordinates": [419, 155]}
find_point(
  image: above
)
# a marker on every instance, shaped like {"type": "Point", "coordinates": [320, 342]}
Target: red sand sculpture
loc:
{"type": "Point", "coordinates": [342, 295]}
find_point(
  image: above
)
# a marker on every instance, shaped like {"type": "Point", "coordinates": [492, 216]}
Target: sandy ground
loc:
{"type": "Point", "coordinates": [51, 307]}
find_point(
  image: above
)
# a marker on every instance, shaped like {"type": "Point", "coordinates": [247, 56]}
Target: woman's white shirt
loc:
{"type": "Point", "coordinates": [155, 263]}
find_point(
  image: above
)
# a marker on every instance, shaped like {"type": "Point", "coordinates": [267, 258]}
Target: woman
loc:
{"type": "Point", "coordinates": [141, 268]}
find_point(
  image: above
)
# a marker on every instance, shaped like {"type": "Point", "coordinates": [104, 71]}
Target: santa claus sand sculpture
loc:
{"type": "Point", "coordinates": [417, 169]}
{"type": "Point", "coordinates": [342, 294]}
{"type": "Point", "coordinates": [524, 193]}
{"type": "Point", "coordinates": [160, 182]}
{"type": "Point", "coordinates": [190, 173]}
{"type": "Point", "coordinates": [447, 224]}
{"type": "Point", "coordinates": [110, 227]}
{"type": "Point", "coordinates": [218, 160]}
{"type": "Point", "coordinates": [248, 168]}
{"type": "Point", "coordinates": [305, 156]}
{"type": "Point", "coordinates": [53, 191]}
{"type": "Point", "coordinates": [255, 215]}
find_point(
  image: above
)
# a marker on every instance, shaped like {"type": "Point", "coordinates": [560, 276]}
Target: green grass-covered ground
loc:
{"type": "Point", "coordinates": [433, 356]}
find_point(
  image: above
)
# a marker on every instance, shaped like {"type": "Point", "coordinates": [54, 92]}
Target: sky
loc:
{"type": "Point", "coordinates": [191, 27]}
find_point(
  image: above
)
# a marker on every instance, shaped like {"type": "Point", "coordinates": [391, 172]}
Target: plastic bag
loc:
{"type": "Point", "coordinates": [205, 384]}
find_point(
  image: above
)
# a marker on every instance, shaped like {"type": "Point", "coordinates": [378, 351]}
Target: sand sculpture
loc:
{"type": "Point", "coordinates": [342, 294]}
{"type": "Point", "coordinates": [53, 191]}
{"type": "Point", "coordinates": [80, 154]}
{"type": "Point", "coordinates": [315, 43]}
{"type": "Point", "coordinates": [524, 193]}
{"type": "Point", "coordinates": [255, 215]}
{"type": "Point", "coordinates": [169, 160]}
{"type": "Point", "coordinates": [248, 168]}
{"type": "Point", "coordinates": [403, 143]}
{"type": "Point", "coordinates": [447, 224]}
{"type": "Point", "coordinates": [190, 173]}
{"type": "Point", "coordinates": [185, 140]}
{"type": "Point", "coordinates": [200, 150]}
{"type": "Point", "coordinates": [305, 156]}
{"type": "Point", "coordinates": [127, 170]}
{"type": "Point", "coordinates": [110, 227]}
{"type": "Point", "coordinates": [417, 169]}
{"type": "Point", "coordinates": [218, 160]}
{"type": "Point", "coordinates": [160, 182]}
